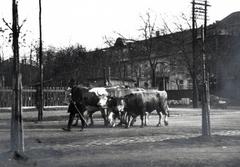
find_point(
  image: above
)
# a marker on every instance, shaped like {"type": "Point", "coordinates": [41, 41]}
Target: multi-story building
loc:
{"type": "Point", "coordinates": [172, 57]}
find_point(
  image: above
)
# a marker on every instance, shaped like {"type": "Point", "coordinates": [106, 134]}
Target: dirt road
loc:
{"type": "Point", "coordinates": [179, 144]}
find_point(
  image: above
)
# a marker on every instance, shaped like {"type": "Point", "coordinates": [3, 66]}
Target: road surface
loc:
{"type": "Point", "coordinates": [179, 144]}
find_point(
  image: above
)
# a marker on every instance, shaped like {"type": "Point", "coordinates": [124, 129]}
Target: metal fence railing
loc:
{"type": "Point", "coordinates": [52, 96]}
{"type": "Point", "coordinates": [57, 96]}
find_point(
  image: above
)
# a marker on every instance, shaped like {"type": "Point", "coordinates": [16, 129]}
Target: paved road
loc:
{"type": "Point", "coordinates": [178, 144]}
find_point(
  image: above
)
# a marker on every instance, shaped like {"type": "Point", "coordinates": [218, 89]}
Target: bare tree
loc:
{"type": "Point", "coordinates": [41, 105]}
{"type": "Point", "coordinates": [136, 50]}
{"type": "Point", "coordinates": [148, 30]}
{"type": "Point", "coordinates": [182, 40]}
{"type": "Point", "coordinates": [109, 41]}
{"type": "Point", "coordinates": [17, 139]}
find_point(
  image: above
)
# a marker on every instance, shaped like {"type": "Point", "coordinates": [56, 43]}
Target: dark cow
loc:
{"type": "Point", "coordinates": [139, 103]}
{"type": "Point", "coordinates": [94, 100]}
{"type": "Point", "coordinates": [116, 103]}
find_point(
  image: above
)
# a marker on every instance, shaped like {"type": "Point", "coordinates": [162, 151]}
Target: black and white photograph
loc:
{"type": "Point", "coordinates": [119, 83]}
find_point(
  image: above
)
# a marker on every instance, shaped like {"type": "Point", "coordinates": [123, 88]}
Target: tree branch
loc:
{"type": "Point", "coordinates": [6, 23]}
{"type": "Point", "coordinates": [19, 27]}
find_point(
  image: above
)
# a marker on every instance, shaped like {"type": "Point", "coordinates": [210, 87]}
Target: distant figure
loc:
{"type": "Point", "coordinates": [145, 85]}
{"type": "Point", "coordinates": [37, 97]}
{"type": "Point", "coordinates": [76, 105]}
{"type": "Point", "coordinates": [135, 84]}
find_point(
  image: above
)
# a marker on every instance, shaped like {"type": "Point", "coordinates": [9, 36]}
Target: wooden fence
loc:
{"type": "Point", "coordinates": [52, 96]}
{"type": "Point", "coordinates": [179, 94]}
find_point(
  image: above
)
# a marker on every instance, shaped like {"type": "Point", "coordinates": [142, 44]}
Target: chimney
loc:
{"type": "Point", "coordinates": [157, 34]}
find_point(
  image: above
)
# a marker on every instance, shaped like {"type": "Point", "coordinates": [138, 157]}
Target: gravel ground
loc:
{"type": "Point", "coordinates": [179, 144]}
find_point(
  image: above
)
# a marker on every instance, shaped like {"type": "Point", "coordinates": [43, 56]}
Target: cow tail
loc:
{"type": "Point", "coordinates": [168, 113]}
{"type": "Point", "coordinates": [164, 106]}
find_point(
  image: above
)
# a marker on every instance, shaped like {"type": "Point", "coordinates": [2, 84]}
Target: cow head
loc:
{"type": "Point", "coordinates": [102, 101]}
{"type": "Point", "coordinates": [101, 94]}
{"type": "Point", "coordinates": [115, 109]}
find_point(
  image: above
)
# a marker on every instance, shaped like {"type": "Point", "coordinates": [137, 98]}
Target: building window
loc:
{"type": "Point", "coordinates": [181, 86]}
{"type": "Point", "coordinates": [190, 84]}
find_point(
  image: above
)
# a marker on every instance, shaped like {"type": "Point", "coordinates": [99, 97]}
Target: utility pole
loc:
{"type": "Point", "coordinates": [17, 139]}
{"type": "Point", "coordinates": [206, 129]}
{"type": "Point", "coordinates": [200, 12]}
{"type": "Point", "coordinates": [40, 111]}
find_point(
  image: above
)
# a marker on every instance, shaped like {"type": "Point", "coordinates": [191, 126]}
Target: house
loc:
{"type": "Point", "coordinates": [101, 81]}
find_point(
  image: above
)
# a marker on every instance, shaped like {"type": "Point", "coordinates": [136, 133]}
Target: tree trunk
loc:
{"type": "Point", "coordinates": [195, 91]}
{"type": "Point", "coordinates": [194, 79]}
{"type": "Point", "coordinates": [153, 78]}
{"type": "Point", "coordinates": [17, 140]}
{"type": "Point", "coordinates": [40, 111]}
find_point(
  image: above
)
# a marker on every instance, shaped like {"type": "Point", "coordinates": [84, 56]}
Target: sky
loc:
{"type": "Point", "coordinates": [86, 22]}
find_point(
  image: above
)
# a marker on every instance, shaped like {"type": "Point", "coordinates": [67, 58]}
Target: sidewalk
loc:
{"type": "Point", "coordinates": [31, 112]}
{"type": "Point", "coordinates": [33, 108]}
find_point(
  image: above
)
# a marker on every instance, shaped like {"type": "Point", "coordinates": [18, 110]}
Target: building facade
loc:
{"type": "Point", "coordinates": [172, 57]}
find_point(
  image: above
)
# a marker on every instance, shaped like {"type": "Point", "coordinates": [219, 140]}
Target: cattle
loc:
{"type": "Point", "coordinates": [95, 99]}
{"type": "Point", "coordinates": [100, 99]}
{"type": "Point", "coordinates": [116, 103]}
{"type": "Point", "coordinates": [141, 103]}
{"type": "Point", "coordinates": [116, 110]}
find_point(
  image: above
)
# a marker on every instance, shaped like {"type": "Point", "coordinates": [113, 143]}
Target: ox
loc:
{"type": "Point", "coordinates": [116, 110]}
{"type": "Point", "coordinates": [94, 100]}
{"type": "Point", "coordinates": [116, 103]}
{"type": "Point", "coordinates": [140, 103]}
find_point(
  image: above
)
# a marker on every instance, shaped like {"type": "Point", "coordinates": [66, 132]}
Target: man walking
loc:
{"type": "Point", "coordinates": [76, 105]}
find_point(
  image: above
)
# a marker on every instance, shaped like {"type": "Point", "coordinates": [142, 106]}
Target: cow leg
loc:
{"type": "Point", "coordinates": [160, 117]}
{"type": "Point", "coordinates": [91, 119]}
{"type": "Point", "coordinates": [123, 119]}
{"type": "Point", "coordinates": [165, 111]}
{"type": "Point", "coordinates": [130, 120]}
{"type": "Point", "coordinates": [89, 116]}
{"type": "Point", "coordinates": [166, 115]}
{"type": "Point", "coordinates": [165, 120]}
{"type": "Point", "coordinates": [76, 123]}
{"type": "Point", "coordinates": [133, 121]}
{"type": "Point", "coordinates": [141, 117]}
{"type": "Point", "coordinates": [112, 119]}
{"type": "Point", "coordinates": [106, 112]}
{"type": "Point", "coordinates": [146, 118]}
{"type": "Point", "coordinates": [104, 117]}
